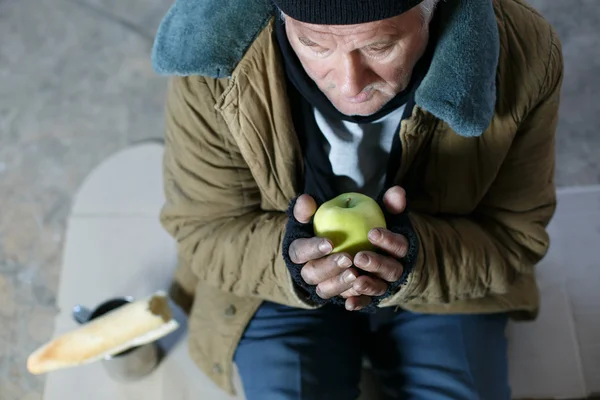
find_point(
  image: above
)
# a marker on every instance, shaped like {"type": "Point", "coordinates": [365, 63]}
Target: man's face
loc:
{"type": "Point", "coordinates": [360, 67]}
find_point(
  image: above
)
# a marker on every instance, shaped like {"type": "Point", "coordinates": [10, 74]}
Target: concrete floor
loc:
{"type": "Point", "coordinates": [76, 85]}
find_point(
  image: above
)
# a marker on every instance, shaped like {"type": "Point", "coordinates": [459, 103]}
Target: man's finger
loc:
{"type": "Point", "coordinates": [357, 303]}
{"type": "Point", "coordinates": [349, 293]}
{"type": "Point", "coordinates": [394, 200]}
{"type": "Point", "coordinates": [304, 208]}
{"type": "Point", "coordinates": [303, 250]}
{"type": "Point", "coordinates": [366, 285]}
{"type": "Point", "coordinates": [335, 286]}
{"type": "Point", "coordinates": [319, 270]}
{"type": "Point", "coordinates": [392, 243]}
{"type": "Point", "coordinates": [384, 267]}
{"type": "Point", "coordinates": [369, 286]}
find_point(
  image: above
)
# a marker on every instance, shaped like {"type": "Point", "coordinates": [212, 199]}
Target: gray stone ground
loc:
{"type": "Point", "coordinates": [76, 85]}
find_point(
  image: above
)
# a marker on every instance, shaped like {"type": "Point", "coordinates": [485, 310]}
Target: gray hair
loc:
{"type": "Point", "coordinates": [427, 9]}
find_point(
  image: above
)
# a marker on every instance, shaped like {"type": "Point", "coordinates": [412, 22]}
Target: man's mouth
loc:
{"type": "Point", "coordinates": [360, 98]}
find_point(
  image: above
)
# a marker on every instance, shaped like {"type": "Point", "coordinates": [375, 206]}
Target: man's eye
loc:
{"type": "Point", "coordinates": [380, 49]}
{"type": "Point", "coordinates": [319, 51]}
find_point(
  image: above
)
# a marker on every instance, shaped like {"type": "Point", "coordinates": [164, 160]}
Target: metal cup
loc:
{"type": "Point", "coordinates": [131, 364]}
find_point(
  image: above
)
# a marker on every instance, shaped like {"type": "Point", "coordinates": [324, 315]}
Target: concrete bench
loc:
{"type": "Point", "coordinates": [115, 246]}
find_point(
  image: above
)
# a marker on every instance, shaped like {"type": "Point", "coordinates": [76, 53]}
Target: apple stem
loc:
{"type": "Point", "coordinates": [348, 200]}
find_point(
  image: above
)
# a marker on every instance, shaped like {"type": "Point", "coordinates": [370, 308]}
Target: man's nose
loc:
{"type": "Point", "coordinates": [355, 75]}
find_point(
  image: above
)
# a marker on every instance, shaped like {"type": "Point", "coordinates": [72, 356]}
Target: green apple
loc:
{"type": "Point", "coordinates": [346, 220]}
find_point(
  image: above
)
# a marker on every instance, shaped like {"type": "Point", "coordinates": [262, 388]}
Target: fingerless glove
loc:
{"type": "Point", "coordinates": [396, 223]}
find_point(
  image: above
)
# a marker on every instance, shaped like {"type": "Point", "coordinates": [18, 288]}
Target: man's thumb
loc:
{"type": "Point", "coordinates": [394, 200]}
{"type": "Point", "coordinates": [304, 208]}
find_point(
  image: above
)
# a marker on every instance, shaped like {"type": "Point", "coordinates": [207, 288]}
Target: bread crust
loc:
{"type": "Point", "coordinates": [128, 326]}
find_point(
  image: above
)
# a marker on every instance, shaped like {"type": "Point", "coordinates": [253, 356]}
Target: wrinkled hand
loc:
{"type": "Point", "coordinates": [334, 274]}
{"type": "Point", "coordinates": [383, 269]}
{"type": "Point", "coordinates": [331, 273]}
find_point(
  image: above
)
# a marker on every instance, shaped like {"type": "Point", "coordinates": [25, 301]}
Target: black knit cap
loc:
{"type": "Point", "coordinates": [343, 12]}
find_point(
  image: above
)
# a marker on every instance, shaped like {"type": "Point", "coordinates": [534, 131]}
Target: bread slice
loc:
{"type": "Point", "coordinates": [128, 326]}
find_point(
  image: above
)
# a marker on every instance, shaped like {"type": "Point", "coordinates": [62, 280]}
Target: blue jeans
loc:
{"type": "Point", "coordinates": [288, 353]}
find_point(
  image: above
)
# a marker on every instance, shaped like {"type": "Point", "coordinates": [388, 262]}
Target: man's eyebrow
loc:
{"type": "Point", "coordinates": [381, 43]}
{"type": "Point", "coordinates": [306, 41]}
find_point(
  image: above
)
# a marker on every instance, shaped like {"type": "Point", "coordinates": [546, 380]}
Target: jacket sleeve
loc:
{"type": "Point", "coordinates": [462, 258]}
{"type": "Point", "coordinates": [213, 205]}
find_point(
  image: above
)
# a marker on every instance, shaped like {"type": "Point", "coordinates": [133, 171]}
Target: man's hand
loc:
{"type": "Point", "coordinates": [333, 274]}
{"type": "Point", "coordinates": [384, 269]}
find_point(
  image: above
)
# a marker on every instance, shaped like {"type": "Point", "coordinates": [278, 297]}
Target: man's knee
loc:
{"type": "Point", "coordinates": [460, 357]}
{"type": "Point", "coordinates": [299, 356]}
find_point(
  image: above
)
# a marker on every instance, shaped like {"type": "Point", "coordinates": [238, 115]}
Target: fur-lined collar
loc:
{"type": "Point", "coordinates": [210, 37]}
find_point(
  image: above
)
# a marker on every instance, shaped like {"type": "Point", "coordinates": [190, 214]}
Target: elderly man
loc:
{"type": "Point", "coordinates": [445, 113]}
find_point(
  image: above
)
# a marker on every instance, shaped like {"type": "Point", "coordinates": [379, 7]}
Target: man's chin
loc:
{"type": "Point", "coordinates": [365, 109]}
{"type": "Point", "coordinates": [362, 110]}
